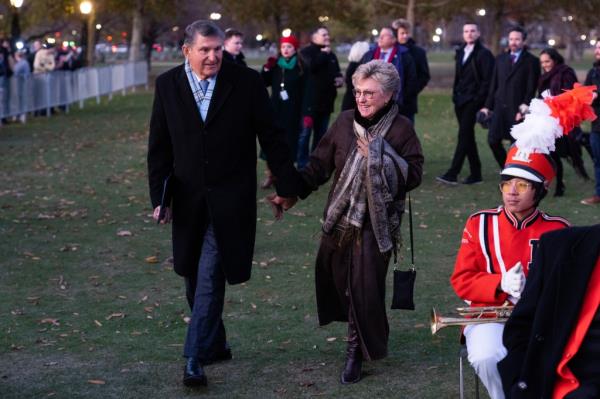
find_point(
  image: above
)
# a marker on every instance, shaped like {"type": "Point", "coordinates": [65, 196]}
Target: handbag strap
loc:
{"type": "Point", "coordinates": [410, 225]}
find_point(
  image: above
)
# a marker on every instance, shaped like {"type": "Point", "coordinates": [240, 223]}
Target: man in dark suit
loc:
{"type": "Point", "coordinates": [553, 334]}
{"type": "Point", "coordinates": [472, 77]}
{"type": "Point", "coordinates": [202, 143]}
{"type": "Point", "coordinates": [419, 56]}
{"type": "Point", "coordinates": [513, 86]}
{"type": "Point", "coordinates": [389, 50]}
{"type": "Point", "coordinates": [322, 78]}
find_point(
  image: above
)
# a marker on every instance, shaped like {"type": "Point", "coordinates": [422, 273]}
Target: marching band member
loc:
{"type": "Point", "coordinates": [498, 245]}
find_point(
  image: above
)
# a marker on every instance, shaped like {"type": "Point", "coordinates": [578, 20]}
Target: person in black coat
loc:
{"type": "Point", "coordinates": [419, 55]}
{"type": "Point", "coordinates": [593, 78]}
{"type": "Point", "coordinates": [357, 51]}
{"type": "Point", "coordinates": [323, 77]}
{"type": "Point", "coordinates": [513, 86]}
{"type": "Point", "coordinates": [388, 49]}
{"type": "Point", "coordinates": [202, 150]}
{"type": "Point", "coordinates": [541, 325]}
{"type": "Point", "coordinates": [472, 77]}
{"type": "Point", "coordinates": [232, 47]}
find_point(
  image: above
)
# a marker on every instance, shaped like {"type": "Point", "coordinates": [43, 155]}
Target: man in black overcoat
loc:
{"type": "Point", "coordinates": [322, 78]}
{"type": "Point", "coordinates": [419, 56]}
{"type": "Point", "coordinates": [472, 77]}
{"type": "Point", "coordinates": [514, 84]}
{"type": "Point", "coordinates": [202, 143]}
{"type": "Point", "coordinates": [542, 322]}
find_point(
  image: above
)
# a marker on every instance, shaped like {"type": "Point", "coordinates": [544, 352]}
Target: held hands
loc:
{"type": "Point", "coordinates": [166, 218]}
{"type": "Point", "coordinates": [280, 204]}
{"type": "Point", "coordinates": [513, 281]}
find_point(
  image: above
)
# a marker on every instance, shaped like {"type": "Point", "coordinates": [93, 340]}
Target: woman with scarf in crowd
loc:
{"type": "Point", "coordinates": [557, 77]}
{"type": "Point", "coordinates": [375, 158]}
{"type": "Point", "coordinates": [285, 76]}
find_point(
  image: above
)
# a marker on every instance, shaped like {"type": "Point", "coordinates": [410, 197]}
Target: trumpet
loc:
{"type": "Point", "coordinates": [475, 315]}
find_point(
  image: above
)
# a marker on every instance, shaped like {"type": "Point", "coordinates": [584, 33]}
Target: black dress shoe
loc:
{"type": "Point", "coordinates": [447, 179]}
{"type": "Point", "coordinates": [220, 356]}
{"type": "Point", "coordinates": [472, 180]}
{"type": "Point", "coordinates": [193, 374]}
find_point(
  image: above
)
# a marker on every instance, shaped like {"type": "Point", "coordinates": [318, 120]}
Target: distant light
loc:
{"type": "Point", "coordinates": [72, 43]}
{"type": "Point", "coordinates": [65, 44]}
{"type": "Point", "coordinates": [286, 32]}
{"type": "Point", "coordinates": [175, 28]}
{"type": "Point", "coordinates": [436, 38]}
{"type": "Point", "coordinates": [51, 40]}
{"type": "Point", "coordinates": [438, 31]}
{"type": "Point", "coordinates": [98, 26]}
{"type": "Point", "coordinates": [85, 7]}
{"type": "Point", "coordinates": [593, 42]}
{"type": "Point", "coordinates": [481, 12]}
{"type": "Point", "coordinates": [74, 32]}
{"type": "Point", "coordinates": [109, 38]}
{"type": "Point", "coordinates": [551, 42]}
{"type": "Point", "coordinates": [374, 32]}
{"type": "Point", "coordinates": [19, 45]}
{"type": "Point", "coordinates": [583, 37]}
{"type": "Point", "coordinates": [323, 18]}
{"type": "Point", "coordinates": [570, 18]}
{"type": "Point", "coordinates": [16, 3]}
{"type": "Point", "coordinates": [215, 16]}
{"type": "Point", "coordinates": [259, 37]}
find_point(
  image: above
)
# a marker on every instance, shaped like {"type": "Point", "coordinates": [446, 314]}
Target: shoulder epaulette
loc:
{"type": "Point", "coordinates": [559, 219]}
{"type": "Point", "coordinates": [492, 211]}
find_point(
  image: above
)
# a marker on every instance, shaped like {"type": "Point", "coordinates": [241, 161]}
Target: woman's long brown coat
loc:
{"type": "Point", "coordinates": [354, 272]}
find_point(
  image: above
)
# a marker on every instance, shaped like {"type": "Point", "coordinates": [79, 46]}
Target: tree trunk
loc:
{"type": "Point", "coordinates": [410, 16]}
{"type": "Point", "coordinates": [496, 33]}
{"type": "Point", "coordinates": [136, 31]}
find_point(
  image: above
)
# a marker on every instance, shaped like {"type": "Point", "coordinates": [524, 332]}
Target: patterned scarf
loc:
{"type": "Point", "coordinates": [349, 199]}
{"type": "Point", "coordinates": [196, 90]}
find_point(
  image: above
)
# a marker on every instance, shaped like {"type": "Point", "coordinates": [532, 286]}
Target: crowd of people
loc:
{"type": "Point", "coordinates": [202, 175]}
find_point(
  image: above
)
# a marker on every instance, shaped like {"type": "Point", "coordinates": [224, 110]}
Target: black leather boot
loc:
{"type": "Point", "coordinates": [353, 367]}
{"type": "Point", "coordinates": [193, 373]}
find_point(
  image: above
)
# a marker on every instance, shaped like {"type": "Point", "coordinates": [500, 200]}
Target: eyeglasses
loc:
{"type": "Point", "coordinates": [520, 186]}
{"type": "Point", "coordinates": [368, 94]}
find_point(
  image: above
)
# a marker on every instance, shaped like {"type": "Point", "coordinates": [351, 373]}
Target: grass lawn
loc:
{"type": "Point", "coordinates": [91, 307]}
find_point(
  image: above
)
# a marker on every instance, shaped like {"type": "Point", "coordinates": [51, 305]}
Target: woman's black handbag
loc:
{"type": "Point", "coordinates": [404, 281]}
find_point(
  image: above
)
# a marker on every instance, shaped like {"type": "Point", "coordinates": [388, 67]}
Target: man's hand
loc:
{"type": "Point", "coordinates": [518, 117]}
{"type": "Point", "coordinates": [513, 281]}
{"type": "Point", "coordinates": [326, 49]}
{"type": "Point", "coordinates": [339, 81]}
{"type": "Point", "coordinates": [280, 204]}
{"type": "Point", "coordinates": [167, 216]}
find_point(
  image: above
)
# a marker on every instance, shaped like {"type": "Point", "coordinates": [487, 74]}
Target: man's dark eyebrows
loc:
{"type": "Point", "coordinates": [208, 48]}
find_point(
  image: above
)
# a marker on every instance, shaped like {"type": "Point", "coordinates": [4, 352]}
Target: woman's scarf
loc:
{"type": "Point", "coordinates": [348, 204]}
{"type": "Point", "coordinates": [553, 79]}
{"type": "Point", "coordinates": [287, 64]}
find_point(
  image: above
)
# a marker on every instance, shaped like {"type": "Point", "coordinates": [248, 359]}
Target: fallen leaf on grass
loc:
{"type": "Point", "coordinates": [54, 322]}
{"type": "Point", "coordinates": [331, 339]}
{"type": "Point", "coordinates": [97, 382]}
{"type": "Point", "coordinates": [119, 315]}
{"type": "Point", "coordinates": [97, 323]}
{"type": "Point", "coordinates": [307, 384]}
{"type": "Point", "coordinates": [152, 259]}
{"type": "Point", "coordinates": [124, 233]}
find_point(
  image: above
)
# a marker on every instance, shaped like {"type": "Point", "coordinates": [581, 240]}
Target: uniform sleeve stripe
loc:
{"type": "Point", "coordinates": [497, 244]}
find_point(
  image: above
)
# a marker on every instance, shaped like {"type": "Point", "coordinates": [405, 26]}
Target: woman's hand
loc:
{"type": "Point", "coordinates": [363, 146]}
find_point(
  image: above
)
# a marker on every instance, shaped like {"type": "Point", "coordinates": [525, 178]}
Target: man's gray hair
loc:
{"type": "Point", "coordinates": [203, 28]}
{"type": "Point", "coordinates": [357, 51]}
{"type": "Point", "coordinates": [382, 72]}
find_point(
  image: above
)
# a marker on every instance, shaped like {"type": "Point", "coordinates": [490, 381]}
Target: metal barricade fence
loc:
{"type": "Point", "coordinates": [20, 95]}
